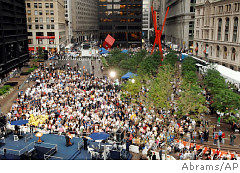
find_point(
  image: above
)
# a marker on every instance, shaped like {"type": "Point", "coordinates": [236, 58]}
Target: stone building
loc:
{"type": "Point", "coordinates": [180, 23]}
{"type": "Point", "coordinates": [46, 25]}
{"type": "Point", "coordinates": [84, 20]}
{"type": "Point", "coordinates": [217, 36]}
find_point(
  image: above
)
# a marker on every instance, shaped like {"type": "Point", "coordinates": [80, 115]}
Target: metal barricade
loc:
{"type": "Point", "coordinates": [28, 148]}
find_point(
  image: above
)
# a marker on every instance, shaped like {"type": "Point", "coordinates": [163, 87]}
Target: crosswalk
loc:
{"type": "Point", "coordinates": [70, 59]}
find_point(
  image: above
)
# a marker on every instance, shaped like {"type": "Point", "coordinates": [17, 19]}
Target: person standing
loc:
{"type": "Point", "coordinates": [215, 139]}
{"type": "Point", "coordinates": [232, 138]}
{"type": "Point", "coordinates": [160, 153]}
{"type": "Point", "coordinates": [154, 157]}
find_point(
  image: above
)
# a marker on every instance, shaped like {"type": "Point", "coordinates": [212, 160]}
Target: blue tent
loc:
{"type": "Point", "coordinates": [99, 136]}
{"type": "Point", "coordinates": [103, 51]}
{"type": "Point", "coordinates": [19, 123]}
{"type": "Point", "coordinates": [125, 51]}
{"type": "Point", "coordinates": [128, 75]}
{"type": "Point", "coordinates": [52, 58]}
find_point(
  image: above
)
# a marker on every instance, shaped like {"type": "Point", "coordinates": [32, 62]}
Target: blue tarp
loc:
{"type": "Point", "coordinates": [183, 56]}
{"type": "Point", "coordinates": [19, 123]}
{"type": "Point", "coordinates": [128, 75]}
{"type": "Point", "coordinates": [99, 136]}
{"type": "Point", "coordinates": [52, 58]}
{"type": "Point", "coordinates": [103, 51]}
{"type": "Point", "coordinates": [125, 51]}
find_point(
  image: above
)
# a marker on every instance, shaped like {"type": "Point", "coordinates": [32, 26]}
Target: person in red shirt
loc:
{"type": "Point", "coordinates": [223, 137]}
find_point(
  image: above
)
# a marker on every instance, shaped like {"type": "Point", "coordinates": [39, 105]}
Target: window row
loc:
{"type": "Point", "coordinates": [226, 29]}
{"type": "Point", "coordinates": [40, 41]}
{"type": "Point", "coordinates": [41, 27]}
{"type": "Point", "coordinates": [40, 19]}
{"type": "Point", "coordinates": [40, 12]}
{"type": "Point", "coordinates": [226, 53]}
{"type": "Point", "coordinates": [39, 5]}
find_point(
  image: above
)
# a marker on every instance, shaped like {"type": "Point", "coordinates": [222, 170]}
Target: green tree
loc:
{"type": "Point", "coordinates": [40, 52]}
{"type": "Point", "coordinates": [160, 89]}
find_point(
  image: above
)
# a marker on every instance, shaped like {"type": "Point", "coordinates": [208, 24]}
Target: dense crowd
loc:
{"type": "Point", "coordinates": [74, 101]}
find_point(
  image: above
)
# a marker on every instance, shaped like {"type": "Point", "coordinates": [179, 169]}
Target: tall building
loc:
{"type": "Point", "coordinates": [180, 23]}
{"type": "Point", "coordinates": [217, 34]}
{"type": "Point", "coordinates": [68, 18]}
{"type": "Point", "coordinates": [146, 20]}
{"type": "Point", "coordinates": [122, 19]}
{"type": "Point", "coordinates": [46, 25]}
{"type": "Point", "coordinates": [82, 20]}
{"type": "Point", "coordinates": [13, 35]}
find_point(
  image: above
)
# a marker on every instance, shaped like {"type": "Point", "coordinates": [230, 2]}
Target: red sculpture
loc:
{"type": "Point", "coordinates": [158, 33]}
{"type": "Point", "coordinates": [108, 42]}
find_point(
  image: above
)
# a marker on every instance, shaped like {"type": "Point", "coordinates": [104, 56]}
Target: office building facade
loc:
{"type": "Point", "coordinates": [13, 35]}
{"type": "Point", "coordinates": [46, 25]}
{"type": "Point", "coordinates": [180, 23]}
{"type": "Point", "coordinates": [122, 19]}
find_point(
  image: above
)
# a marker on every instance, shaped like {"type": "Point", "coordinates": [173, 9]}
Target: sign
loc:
{"type": "Point", "coordinates": [45, 37]}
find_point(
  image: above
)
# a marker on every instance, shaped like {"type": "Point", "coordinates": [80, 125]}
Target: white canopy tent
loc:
{"type": "Point", "coordinates": [229, 74]}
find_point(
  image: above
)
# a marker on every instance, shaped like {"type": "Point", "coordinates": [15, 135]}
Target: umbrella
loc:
{"type": "Point", "coordinates": [19, 123]}
{"type": "Point", "coordinates": [125, 51]}
{"type": "Point", "coordinates": [99, 136]}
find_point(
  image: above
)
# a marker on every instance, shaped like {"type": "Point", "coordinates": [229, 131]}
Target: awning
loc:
{"type": "Point", "coordinates": [31, 48]}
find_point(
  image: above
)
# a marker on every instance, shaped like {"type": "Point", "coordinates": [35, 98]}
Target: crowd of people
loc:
{"type": "Point", "coordinates": [71, 100]}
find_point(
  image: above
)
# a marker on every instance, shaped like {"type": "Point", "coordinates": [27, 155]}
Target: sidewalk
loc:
{"type": "Point", "coordinates": [7, 102]}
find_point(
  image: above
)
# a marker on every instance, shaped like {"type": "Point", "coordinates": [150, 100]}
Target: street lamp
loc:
{"type": "Point", "coordinates": [112, 74]}
{"type": "Point", "coordinates": [133, 80]}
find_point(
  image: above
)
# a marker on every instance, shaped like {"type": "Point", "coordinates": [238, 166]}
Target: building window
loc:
{"type": "Point", "coordinates": [36, 26]}
{"type": "Point", "coordinates": [35, 5]}
{"type": "Point", "coordinates": [51, 34]}
{"type": "Point", "coordinates": [29, 33]}
{"type": "Point", "coordinates": [226, 29]}
{"type": "Point", "coordinates": [40, 12]}
{"type": "Point", "coordinates": [235, 30]}
{"type": "Point", "coordinates": [39, 5]}
{"type": "Point", "coordinates": [47, 12]}
{"type": "Point", "coordinates": [41, 26]}
{"type": "Point", "coordinates": [51, 5]}
{"type": "Point", "coordinates": [36, 19]}
{"type": "Point", "coordinates": [52, 26]}
{"type": "Point", "coordinates": [237, 6]}
{"type": "Point", "coordinates": [225, 53]}
{"type": "Point", "coordinates": [40, 41]}
{"type": "Point", "coordinates": [219, 29]}
{"type": "Point", "coordinates": [40, 19]}
{"type": "Point", "coordinates": [36, 12]}
{"type": "Point", "coordinates": [30, 41]}
{"type": "Point", "coordinates": [51, 41]}
{"type": "Point", "coordinates": [233, 58]}
{"type": "Point", "coordinates": [47, 19]}
{"type": "Point", "coordinates": [29, 26]}
{"type": "Point", "coordinates": [210, 50]}
{"type": "Point", "coordinates": [29, 12]}
{"type": "Point", "coordinates": [47, 5]}
{"type": "Point", "coordinates": [39, 34]}
{"type": "Point", "coordinates": [51, 12]}
{"type": "Point", "coordinates": [29, 19]}
{"type": "Point", "coordinates": [28, 5]}
{"type": "Point", "coordinates": [48, 26]}
{"type": "Point", "coordinates": [52, 19]}
{"type": "Point", "coordinates": [218, 51]}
